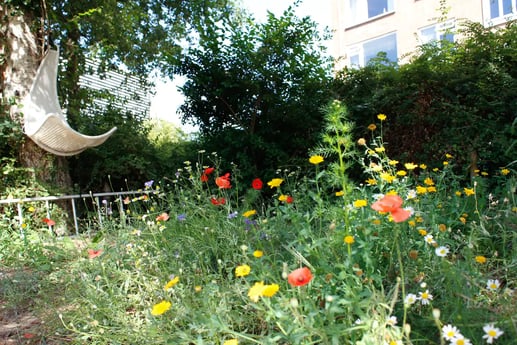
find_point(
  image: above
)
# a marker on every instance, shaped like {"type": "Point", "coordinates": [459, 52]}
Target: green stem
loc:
{"type": "Point", "coordinates": [402, 277]}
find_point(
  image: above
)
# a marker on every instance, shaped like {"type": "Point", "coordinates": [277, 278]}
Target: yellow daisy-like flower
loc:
{"type": "Point", "coordinates": [349, 239]}
{"type": "Point", "coordinates": [457, 193]}
{"type": "Point", "coordinates": [448, 156]}
{"type": "Point", "coordinates": [242, 270]}
{"type": "Point", "coordinates": [401, 173]}
{"type": "Point", "coordinates": [421, 190]}
{"type": "Point", "coordinates": [340, 193]}
{"type": "Point", "coordinates": [32, 209]}
{"type": "Point", "coordinates": [258, 253]}
{"type": "Point", "coordinates": [429, 181]}
{"type": "Point", "coordinates": [422, 166]}
{"type": "Point", "coordinates": [431, 189]}
{"type": "Point", "coordinates": [445, 163]}
{"type": "Point", "coordinates": [480, 259]}
{"type": "Point", "coordinates": [376, 222]}
{"type": "Point", "coordinates": [410, 166]}
{"type": "Point", "coordinates": [24, 225]}
{"type": "Point", "coordinates": [381, 117]}
{"type": "Point", "coordinates": [380, 149]}
{"type": "Point", "coordinates": [372, 127]}
{"type": "Point", "coordinates": [249, 213]}
{"type": "Point", "coordinates": [316, 159]}
{"type": "Point", "coordinates": [160, 308]}
{"type": "Point", "coordinates": [231, 342]}
{"type": "Point", "coordinates": [270, 290]}
{"type": "Point", "coordinates": [469, 191]}
{"type": "Point", "coordinates": [171, 283]}
{"type": "Point", "coordinates": [256, 291]}
{"type": "Point", "coordinates": [198, 288]}
{"type": "Point", "coordinates": [463, 220]}
{"type": "Point", "coordinates": [360, 203]}
{"type": "Point", "coordinates": [505, 171]}
{"type": "Point", "coordinates": [275, 183]}
{"type": "Point", "coordinates": [422, 232]}
{"type": "Point", "coordinates": [393, 162]}
{"type": "Point", "coordinates": [387, 177]}
{"type": "Point", "coordinates": [442, 227]}
{"type": "Point", "coordinates": [371, 182]}
{"type": "Point", "coordinates": [411, 223]}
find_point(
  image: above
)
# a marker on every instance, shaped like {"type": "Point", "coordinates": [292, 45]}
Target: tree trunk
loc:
{"type": "Point", "coordinates": [23, 51]}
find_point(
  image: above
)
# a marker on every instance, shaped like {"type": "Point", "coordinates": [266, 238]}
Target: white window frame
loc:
{"type": "Point", "coordinates": [358, 50]}
{"type": "Point", "coordinates": [502, 18]}
{"type": "Point", "coordinates": [439, 30]}
{"type": "Point", "coordinates": [357, 11]}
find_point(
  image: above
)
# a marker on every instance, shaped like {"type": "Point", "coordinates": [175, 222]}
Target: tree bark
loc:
{"type": "Point", "coordinates": [22, 50]}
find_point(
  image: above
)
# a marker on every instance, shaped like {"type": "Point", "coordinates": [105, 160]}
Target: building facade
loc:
{"type": "Point", "coordinates": [363, 28]}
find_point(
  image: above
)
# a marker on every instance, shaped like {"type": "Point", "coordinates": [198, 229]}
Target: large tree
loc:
{"type": "Point", "coordinates": [256, 90]}
{"type": "Point", "coordinates": [144, 35]}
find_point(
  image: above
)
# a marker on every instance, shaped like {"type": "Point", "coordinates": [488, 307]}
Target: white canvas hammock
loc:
{"type": "Point", "coordinates": [44, 121]}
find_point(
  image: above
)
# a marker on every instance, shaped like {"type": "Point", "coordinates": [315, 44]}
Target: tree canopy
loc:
{"type": "Point", "coordinates": [256, 90]}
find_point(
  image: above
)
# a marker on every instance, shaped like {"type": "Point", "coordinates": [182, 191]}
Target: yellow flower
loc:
{"type": "Point", "coordinates": [242, 270]}
{"type": "Point", "coordinates": [282, 197]}
{"type": "Point", "coordinates": [381, 117]}
{"type": "Point", "coordinates": [505, 171]}
{"type": "Point", "coordinates": [258, 253]}
{"type": "Point", "coordinates": [421, 190]}
{"type": "Point", "coordinates": [448, 156]}
{"type": "Point", "coordinates": [422, 232]}
{"type": "Point", "coordinates": [249, 213]}
{"type": "Point", "coordinates": [24, 225]}
{"type": "Point", "coordinates": [410, 166]}
{"type": "Point", "coordinates": [32, 209]}
{"type": "Point", "coordinates": [457, 193]}
{"type": "Point", "coordinates": [316, 159]}
{"type": "Point", "coordinates": [429, 181]}
{"type": "Point", "coordinates": [411, 223]}
{"type": "Point", "coordinates": [401, 173]}
{"type": "Point", "coordinates": [393, 162]}
{"type": "Point", "coordinates": [372, 127]}
{"type": "Point", "coordinates": [480, 259]}
{"type": "Point", "coordinates": [484, 173]}
{"type": "Point", "coordinates": [270, 290]}
{"type": "Point", "coordinates": [361, 142]}
{"type": "Point", "coordinates": [469, 191]}
{"type": "Point", "coordinates": [422, 166]}
{"type": "Point", "coordinates": [256, 291]}
{"type": "Point", "coordinates": [371, 182]}
{"type": "Point", "coordinates": [340, 193]}
{"type": "Point", "coordinates": [445, 163]}
{"type": "Point", "coordinates": [380, 149]}
{"type": "Point", "coordinates": [349, 239]}
{"type": "Point", "coordinates": [419, 219]}
{"type": "Point", "coordinates": [171, 283]}
{"type": "Point", "coordinates": [463, 220]}
{"type": "Point", "coordinates": [442, 227]}
{"type": "Point", "coordinates": [431, 189]}
{"type": "Point", "coordinates": [198, 288]}
{"type": "Point", "coordinates": [276, 182]}
{"type": "Point", "coordinates": [160, 308]}
{"type": "Point", "coordinates": [376, 221]}
{"type": "Point", "coordinates": [387, 177]}
{"type": "Point", "coordinates": [231, 342]}
{"type": "Point", "coordinates": [360, 203]}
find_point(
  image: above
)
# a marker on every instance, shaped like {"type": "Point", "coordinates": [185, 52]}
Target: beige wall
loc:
{"type": "Point", "coordinates": [407, 18]}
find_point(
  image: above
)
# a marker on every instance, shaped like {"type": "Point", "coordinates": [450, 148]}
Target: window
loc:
{"type": "Point", "coordinates": [437, 32]}
{"type": "Point", "coordinates": [361, 54]}
{"type": "Point", "coordinates": [362, 10]}
{"type": "Point", "coordinates": [497, 12]}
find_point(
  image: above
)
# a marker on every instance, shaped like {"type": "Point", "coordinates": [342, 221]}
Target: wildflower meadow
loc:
{"type": "Point", "coordinates": [408, 254]}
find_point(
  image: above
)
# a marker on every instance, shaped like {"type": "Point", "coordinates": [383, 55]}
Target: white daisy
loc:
{"type": "Point", "coordinates": [425, 297]}
{"type": "Point", "coordinates": [442, 251]}
{"type": "Point", "coordinates": [392, 321]}
{"type": "Point", "coordinates": [410, 299]}
{"type": "Point", "coordinates": [429, 239]}
{"type": "Point", "coordinates": [449, 332]}
{"type": "Point", "coordinates": [491, 333]}
{"type": "Point", "coordinates": [460, 340]}
{"type": "Point", "coordinates": [493, 284]}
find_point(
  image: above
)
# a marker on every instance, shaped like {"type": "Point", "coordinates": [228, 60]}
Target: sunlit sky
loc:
{"type": "Point", "coordinates": [167, 99]}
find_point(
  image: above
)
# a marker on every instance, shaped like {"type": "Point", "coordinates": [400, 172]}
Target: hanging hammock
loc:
{"type": "Point", "coordinates": [44, 121]}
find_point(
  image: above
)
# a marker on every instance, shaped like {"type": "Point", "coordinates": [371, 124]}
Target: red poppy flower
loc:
{"type": "Point", "coordinates": [204, 178]}
{"type": "Point", "coordinates": [257, 184]}
{"type": "Point", "coordinates": [49, 222]}
{"type": "Point", "coordinates": [299, 277]}
{"type": "Point", "coordinates": [220, 201]}
{"type": "Point", "coordinates": [208, 171]}
{"type": "Point", "coordinates": [393, 205]}
{"type": "Point", "coordinates": [223, 181]}
{"type": "Point", "coordinates": [289, 199]}
{"type": "Point", "coordinates": [28, 335]}
{"type": "Point", "coordinates": [92, 253]}
{"type": "Point", "coordinates": [162, 217]}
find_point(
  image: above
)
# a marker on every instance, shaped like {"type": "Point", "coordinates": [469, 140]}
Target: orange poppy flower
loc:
{"type": "Point", "coordinates": [92, 253]}
{"type": "Point", "coordinates": [162, 217]}
{"type": "Point", "coordinates": [299, 277]}
{"type": "Point", "coordinates": [208, 171]}
{"type": "Point", "coordinates": [204, 178]}
{"type": "Point", "coordinates": [220, 201]}
{"type": "Point", "coordinates": [393, 205]}
{"type": "Point", "coordinates": [223, 181]}
{"type": "Point", "coordinates": [49, 222]}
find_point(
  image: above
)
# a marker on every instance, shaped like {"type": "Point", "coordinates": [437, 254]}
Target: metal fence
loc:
{"type": "Point", "coordinates": [94, 196]}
